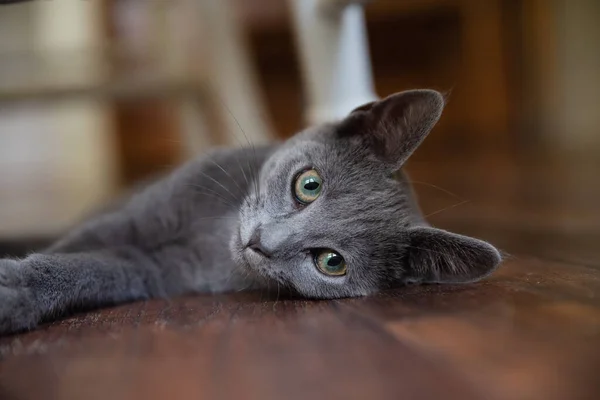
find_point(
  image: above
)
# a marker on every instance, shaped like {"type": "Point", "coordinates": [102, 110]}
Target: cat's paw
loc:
{"type": "Point", "coordinates": [17, 304]}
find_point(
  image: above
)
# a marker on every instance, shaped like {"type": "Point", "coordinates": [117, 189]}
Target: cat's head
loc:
{"type": "Point", "coordinates": [328, 219]}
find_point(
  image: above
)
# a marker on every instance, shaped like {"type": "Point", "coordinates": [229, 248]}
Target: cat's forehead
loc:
{"type": "Point", "coordinates": [350, 176]}
{"type": "Point", "coordinates": [320, 147]}
{"type": "Point", "coordinates": [355, 188]}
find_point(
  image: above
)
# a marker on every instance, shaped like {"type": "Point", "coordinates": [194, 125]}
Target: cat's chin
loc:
{"type": "Point", "coordinates": [255, 264]}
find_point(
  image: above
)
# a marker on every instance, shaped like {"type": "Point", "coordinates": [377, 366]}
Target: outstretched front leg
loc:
{"type": "Point", "coordinates": [42, 286]}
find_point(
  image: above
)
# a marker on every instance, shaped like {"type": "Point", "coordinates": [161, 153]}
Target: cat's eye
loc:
{"type": "Point", "coordinates": [308, 186]}
{"type": "Point", "coordinates": [330, 263]}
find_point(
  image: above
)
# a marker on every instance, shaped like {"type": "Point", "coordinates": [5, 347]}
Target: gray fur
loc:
{"type": "Point", "coordinates": [189, 231]}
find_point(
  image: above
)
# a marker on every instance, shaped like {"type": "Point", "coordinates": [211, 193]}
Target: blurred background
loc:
{"type": "Point", "coordinates": [96, 95]}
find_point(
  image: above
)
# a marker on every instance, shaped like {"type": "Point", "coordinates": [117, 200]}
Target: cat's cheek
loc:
{"type": "Point", "coordinates": [311, 283]}
{"type": "Point", "coordinates": [235, 246]}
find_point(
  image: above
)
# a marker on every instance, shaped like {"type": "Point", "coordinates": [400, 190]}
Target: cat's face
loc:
{"type": "Point", "coordinates": [327, 218]}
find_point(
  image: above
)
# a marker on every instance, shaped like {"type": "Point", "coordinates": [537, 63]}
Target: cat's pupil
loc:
{"type": "Point", "coordinates": [334, 261]}
{"type": "Point", "coordinates": [311, 185]}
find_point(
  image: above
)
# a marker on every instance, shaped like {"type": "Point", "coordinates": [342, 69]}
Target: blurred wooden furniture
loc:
{"type": "Point", "coordinates": [185, 54]}
{"type": "Point", "coordinates": [71, 94]}
{"type": "Point", "coordinates": [56, 157]}
{"type": "Point", "coordinates": [470, 48]}
{"type": "Point", "coordinates": [331, 42]}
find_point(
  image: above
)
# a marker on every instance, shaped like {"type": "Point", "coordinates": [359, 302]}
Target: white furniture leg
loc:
{"type": "Point", "coordinates": [334, 56]}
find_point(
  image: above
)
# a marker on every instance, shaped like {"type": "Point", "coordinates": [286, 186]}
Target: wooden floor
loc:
{"type": "Point", "coordinates": [531, 331]}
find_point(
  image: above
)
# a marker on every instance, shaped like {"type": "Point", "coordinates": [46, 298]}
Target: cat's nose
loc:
{"type": "Point", "coordinates": [255, 243]}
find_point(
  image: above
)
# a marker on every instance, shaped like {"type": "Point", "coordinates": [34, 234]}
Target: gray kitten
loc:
{"type": "Point", "coordinates": [326, 214]}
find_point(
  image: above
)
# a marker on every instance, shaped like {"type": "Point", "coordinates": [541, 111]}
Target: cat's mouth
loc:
{"type": "Point", "coordinates": [255, 246]}
{"type": "Point", "coordinates": [255, 258]}
{"type": "Point", "coordinates": [250, 255]}
{"type": "Point", "coordinates": [252, 248]}
{"type": "Point", "coordinates": [253, 255]}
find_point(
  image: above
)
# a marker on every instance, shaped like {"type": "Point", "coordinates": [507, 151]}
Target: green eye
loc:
{"type": "Point", "coordinates": [308, 186]}
{"type": "Point", "coordinates": [330, 263]}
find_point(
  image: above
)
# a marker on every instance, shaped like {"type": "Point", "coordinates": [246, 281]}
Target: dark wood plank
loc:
{"type": "Point", "coordinates": [531, 331]}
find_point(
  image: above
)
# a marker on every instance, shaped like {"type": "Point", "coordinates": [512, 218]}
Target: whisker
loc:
{"type": "Point", "coordinates": [246, 287]}
{"type": "Point", "coordinates": [246, 276]}
{"type": "Point", "coordinates": [447, 208]}
{"type": "Point", "coordinates": [242, 147]}
{"type": "Point", "coordinates": [226, 173]}
{"type": "Point", "coordinates": [234, 198]}
{"type": "Point", "coordinates": [222, 217]}
{"type": "Point", "coordinates": [268, 290]}
{"type": "Point", "coordinates": [436, 187]}
{"type": "Point", "coordinates": [277, 298]}
{"type": "Point", "coordinates": [237, 122]}
{"type": "Point", "coordinates": [210, 190]}
{"type": "Point", "coordinates": [233, 272]}
{"type": "Point", "coordinates": [218, 197]}
{"type": "Point", "coordinates": [250, 170]}
{"type": "Point", "coordinates": [237, 159]}
{"type": "Point", "coordinates": [215, 191]}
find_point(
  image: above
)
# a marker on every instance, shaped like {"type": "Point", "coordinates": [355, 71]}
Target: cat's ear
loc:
{"type": "Point", "coordinates": [437, 256]}
{"type": "Point", "coordinates": [395, 126]}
